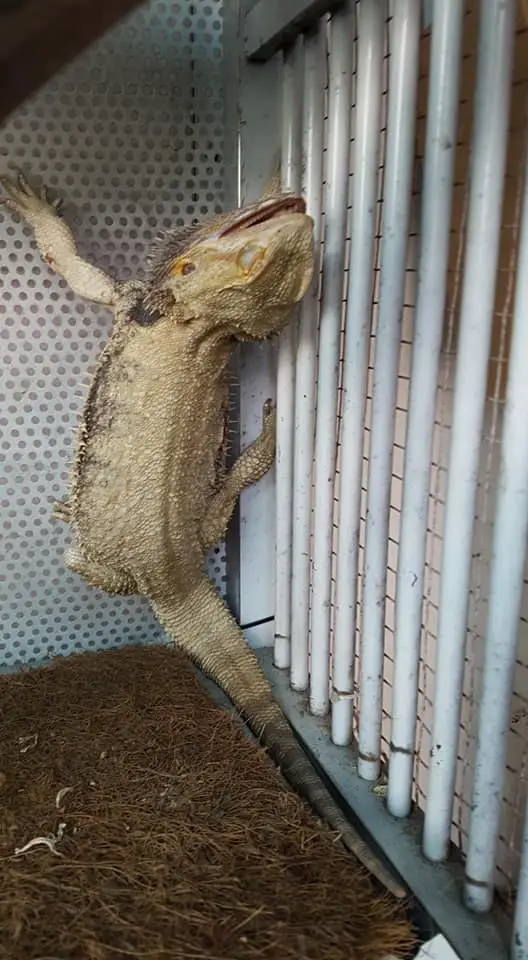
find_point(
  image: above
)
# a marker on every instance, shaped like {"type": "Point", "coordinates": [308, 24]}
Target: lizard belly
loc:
{"type": "Point", "coordinates": [146, 465]}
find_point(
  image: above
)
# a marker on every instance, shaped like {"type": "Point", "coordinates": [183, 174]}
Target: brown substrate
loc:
{"type": "Point", "coordinates": [178, 837]}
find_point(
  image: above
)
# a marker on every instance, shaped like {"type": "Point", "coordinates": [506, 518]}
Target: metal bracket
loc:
{"type": "Point", "coordinates": [273, 24]}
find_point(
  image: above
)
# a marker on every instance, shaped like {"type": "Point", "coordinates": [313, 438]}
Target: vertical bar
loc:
{"type": "Point", "coordinates": [260, 138]}
{"type": "Point", "coordinates": [232, 198]}
{"type": "Point", "coordinates": [510, 532]}
{"type": "Point", "coordinates": [489, 142]}
{"type": "Point", "coordinates": [441, 136]}
{"type": "Point", "coordinates": [291, 180]}
{"type": "Point", "coordinates": [403, 81]}
{"type": "Point", "coordinates": [314, 78]}
{"type": "Point", "coordinates": [519, 949]}
{"type": "Point", "coordinates": [371, 37]}
{"type": "Point", "coordinates": [339, 107]}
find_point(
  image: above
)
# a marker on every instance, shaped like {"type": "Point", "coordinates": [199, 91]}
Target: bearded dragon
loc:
{"type": "Point", "coordinates": [148, 496]}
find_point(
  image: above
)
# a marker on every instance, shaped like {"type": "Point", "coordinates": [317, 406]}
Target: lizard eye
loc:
{"type": "Point", "coordinates": [182, 268]}
{"type": "Point", "coordinates": [250, 256]}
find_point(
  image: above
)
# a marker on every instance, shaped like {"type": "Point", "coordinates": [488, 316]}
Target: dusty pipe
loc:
{"type": "Point", "coordinates": [291, 162]}
{"type": "Point", "coordinates": [403, 80]}
{"type": "Point", "coordinates": [441, 137]}
{"type": "Point", "coordinates": [510, 532]}
{"type": "Point", "coordinates": [305, 370]}
{"type": "Point", "coordinates": [339, 106]}
{"type": "Point", "coordinates": [489, 143]}
{"type": "Point", "coordinates": [371, 37]}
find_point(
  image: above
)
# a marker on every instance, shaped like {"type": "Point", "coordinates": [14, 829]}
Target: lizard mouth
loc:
{"type": "Point", "coordinates": [263, 213]}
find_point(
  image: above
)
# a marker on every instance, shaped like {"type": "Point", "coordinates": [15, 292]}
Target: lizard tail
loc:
{"type": "Point", "coordinates": [202, 627]}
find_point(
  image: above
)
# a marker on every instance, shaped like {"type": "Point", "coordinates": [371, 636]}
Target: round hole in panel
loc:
{"type": "Point", "coordinates": [130, 136]}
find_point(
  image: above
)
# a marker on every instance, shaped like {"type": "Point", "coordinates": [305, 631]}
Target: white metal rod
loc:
{"type": "Point", "coordinates": [291, 162]}
{"type": "Point", "coordinates": [510, 531]}
{"type": "Point", "coordinates": [403, 81]}
{"type": "Point", "coordinates": [489, 143]}
{"type": "Point", "coordinates": [371, 26]}
{"type": "Point", "coordinates": [519, 947]}
{"type": "Point", "coordinates": [339, 107]}
{"type": "Point", "coordinates": [314, 80]}
{"type": "Point", "coordinates": [441, 137]}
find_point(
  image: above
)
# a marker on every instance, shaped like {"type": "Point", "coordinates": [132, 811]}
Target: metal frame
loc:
{"type": "Point", "coordinates": [273, 24]}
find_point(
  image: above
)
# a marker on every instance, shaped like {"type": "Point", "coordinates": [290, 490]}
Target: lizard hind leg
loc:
{"type": "Point", "coordinates": [99, 575]}
{"type": "Point", "coordinates": [201, 625]}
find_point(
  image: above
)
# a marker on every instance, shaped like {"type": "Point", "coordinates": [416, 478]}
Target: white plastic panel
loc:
{"type": "Point", "coordinates": [131, 135]}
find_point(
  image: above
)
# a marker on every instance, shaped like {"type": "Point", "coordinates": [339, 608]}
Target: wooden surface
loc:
{"type": "Point", "coordinates": [39, 37]}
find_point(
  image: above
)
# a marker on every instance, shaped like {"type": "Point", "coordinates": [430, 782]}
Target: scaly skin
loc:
{"type": "Point", "coordinates": [148, 495]}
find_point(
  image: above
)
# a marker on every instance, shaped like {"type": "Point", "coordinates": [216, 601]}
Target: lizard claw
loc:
{"type": "Point", "coordinates": [24, 186]}
{"type": "Point", "coordinates": [56, 203]}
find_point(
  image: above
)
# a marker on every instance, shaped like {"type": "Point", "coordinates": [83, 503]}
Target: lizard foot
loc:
{"type": "Point", "coordinates": [269, 418]}
{"type": "Point", "coordinates": [99, 575]}
{"type": "Point", "coordinates": [264, 445]}
{"type": "Point", "coordinates": [25, 202]}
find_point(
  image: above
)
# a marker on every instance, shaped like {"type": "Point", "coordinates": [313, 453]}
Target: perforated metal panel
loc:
{"type": "Point", "coordinates": [131, 136]}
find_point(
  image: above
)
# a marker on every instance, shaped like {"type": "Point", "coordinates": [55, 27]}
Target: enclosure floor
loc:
{"type": "Point", "coordinates": [164, 832]}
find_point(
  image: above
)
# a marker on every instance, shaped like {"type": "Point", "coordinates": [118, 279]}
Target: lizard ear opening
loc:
{"type": "Point", "coordinates": [151, 307]}
{"type": "Point", "coordinates": [144, 317]}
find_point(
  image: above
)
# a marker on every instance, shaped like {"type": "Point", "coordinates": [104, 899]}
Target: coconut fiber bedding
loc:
{"type": "Point", "coordinates": [138, 822]}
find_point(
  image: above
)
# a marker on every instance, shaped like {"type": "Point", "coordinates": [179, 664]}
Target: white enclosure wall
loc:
{"type": "Point", "coordinates": [131, 135]}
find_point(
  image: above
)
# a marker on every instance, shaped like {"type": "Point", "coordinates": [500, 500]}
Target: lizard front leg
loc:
{"type": "Point", "coordinates": [250, 467]}
{"type": "Point", "coordinates": [56, 242]}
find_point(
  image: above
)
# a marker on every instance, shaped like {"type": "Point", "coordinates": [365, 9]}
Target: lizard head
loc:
{"type": "Point", "coordinates": [243, 272]}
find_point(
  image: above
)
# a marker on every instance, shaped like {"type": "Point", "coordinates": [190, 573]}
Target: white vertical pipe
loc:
{"type": "Point", "coordinates": [359, 304]}
{"type": "Point", "coordinates": [519, 947]}
{"type": "Point", "coordinates": [314, 79]}
{"type": "Point", "coordinates": [510, 531]}
{"type": "Point", "coordinates": [489, 143]}
{"type": "Point", "coordinates": [339, 107]}
{"type": "Point", "coordinates": [291, 161]}
{"type": "Point", "coordinates": [441, 137]}
{"type": "Point", "coordinates": [403, 81]}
